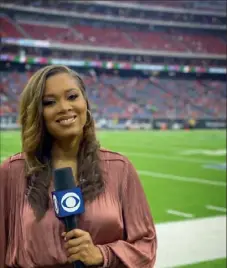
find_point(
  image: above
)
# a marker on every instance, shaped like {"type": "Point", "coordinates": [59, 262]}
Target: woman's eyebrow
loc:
{"type": "Point", "coordinates": [66, 91]}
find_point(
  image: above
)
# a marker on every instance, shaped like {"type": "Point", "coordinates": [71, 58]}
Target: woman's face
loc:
{"type": "Point", "coordinates": [64, 107]}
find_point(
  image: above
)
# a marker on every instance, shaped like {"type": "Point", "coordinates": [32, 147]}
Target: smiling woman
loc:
{"type": "Point", "coordinates": [53, 95]}
{"type": "Point", "coordinates": [58, 130]}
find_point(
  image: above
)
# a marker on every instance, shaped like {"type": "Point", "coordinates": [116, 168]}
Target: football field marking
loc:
{"type": "Point", "coordinates": [220, 209]}
{"type": "Point", "coordinates": [154, 145]}
{"type": "Point", "coordinates": [175, 150]}
{"type": "Point", "coordinates": [209, 152]}
{"type": "Point", "coordinates": [180, 178]}
{"type": "Point", "coordinates": [179, 213]}
{"type": "Point", "coordinates": [191, 241]}
{"type": "Point", "coordinates": [171, 158]}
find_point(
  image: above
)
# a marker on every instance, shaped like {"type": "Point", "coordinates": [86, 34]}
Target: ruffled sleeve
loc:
{"type": "Point", "coordinates": [140, 245]}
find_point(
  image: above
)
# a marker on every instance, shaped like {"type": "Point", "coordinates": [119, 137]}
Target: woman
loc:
{"type": "Point", "coordinates": [116, 229]}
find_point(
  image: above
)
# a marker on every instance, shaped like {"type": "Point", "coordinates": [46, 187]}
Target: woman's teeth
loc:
{"type": "Point", "coordinates": [67, 121]}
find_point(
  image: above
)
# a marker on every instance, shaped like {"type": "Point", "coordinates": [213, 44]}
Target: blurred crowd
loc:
{"type": "Point", "coordinates": [116, 96]}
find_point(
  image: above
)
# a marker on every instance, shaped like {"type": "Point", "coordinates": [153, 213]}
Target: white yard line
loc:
{"type": "Point", "coordinates": [191, 241]}
{"type": "Point", "coordinates": [154, 145]}
{"type": "Point", "coordinates": [220, 209]}
{"type": "Point", "coordinates": [206, 152]}
{"type": "Point", "coordinates": [171, 158]}
{"type": "Point", "coordinates": [179, 213]}
{"type": "Point", "coordinates": [181, 178]}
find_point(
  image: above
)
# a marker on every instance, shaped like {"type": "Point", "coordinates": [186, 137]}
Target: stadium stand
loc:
{"type": "Point", "coordinates": [197, 5]}
{"type": "Point", "coordinates": [113, 37]}
{"type": "Point", "coordinates": [117, 94]}
{"type": "Point", "coordinates": [183, 97]}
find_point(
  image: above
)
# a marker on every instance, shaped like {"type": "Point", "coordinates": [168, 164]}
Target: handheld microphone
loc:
{"type": "Point", "coordinates": [68, 201]}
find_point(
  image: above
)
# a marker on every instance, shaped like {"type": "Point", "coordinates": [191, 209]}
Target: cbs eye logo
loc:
{"type": "Point", "coordinates": [70, 202]}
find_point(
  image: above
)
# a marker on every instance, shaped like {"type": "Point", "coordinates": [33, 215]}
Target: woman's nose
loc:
{"type": "Point", "coordinates": [64, 105]}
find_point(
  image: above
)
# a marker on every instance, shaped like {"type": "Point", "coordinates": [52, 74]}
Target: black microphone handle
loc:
{"type": "Point", "coordinates": [70, 223]}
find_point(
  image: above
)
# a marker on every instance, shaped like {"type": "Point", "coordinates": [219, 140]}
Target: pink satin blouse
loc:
{"type": "Point", "coordinates": [119, 220]}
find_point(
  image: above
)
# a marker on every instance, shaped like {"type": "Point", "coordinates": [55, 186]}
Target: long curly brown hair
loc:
{"type": "Point", "coordinates": [37, 144]}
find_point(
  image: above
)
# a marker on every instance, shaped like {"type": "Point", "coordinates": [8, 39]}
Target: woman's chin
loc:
{"type": "Point", "coordinates": [68, 134]}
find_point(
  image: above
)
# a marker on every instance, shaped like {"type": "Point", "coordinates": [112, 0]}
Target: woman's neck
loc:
{"type": "Point", "coordinates": [65, 155]}
{"type": "Point", "coordinates": [65, 150]}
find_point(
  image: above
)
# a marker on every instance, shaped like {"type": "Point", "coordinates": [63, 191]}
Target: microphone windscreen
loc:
{"type": "Point", "coordinates": [63, 179]}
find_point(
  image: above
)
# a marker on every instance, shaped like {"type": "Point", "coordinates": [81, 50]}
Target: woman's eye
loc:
{"type": "Point", "coordinates": [48, 102]}
{"type": "Point", "coordinates": [73, 97]}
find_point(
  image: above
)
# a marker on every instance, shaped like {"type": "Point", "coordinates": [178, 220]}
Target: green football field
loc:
{"type": "Point", "coordinates": [183, 172]}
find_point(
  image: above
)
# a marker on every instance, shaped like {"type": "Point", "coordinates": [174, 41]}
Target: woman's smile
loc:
{"type": "Point", "coordinates": [67, 121]}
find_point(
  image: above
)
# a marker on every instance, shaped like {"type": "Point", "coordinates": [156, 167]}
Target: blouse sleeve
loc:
{"type": "Point", "coordinates": [3, 212]}
{"type": "Point", "coordinates": [139, 248]}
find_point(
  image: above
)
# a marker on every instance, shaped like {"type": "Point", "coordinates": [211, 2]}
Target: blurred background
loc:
{"type": "Point", "coordinates": [155, 73]}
